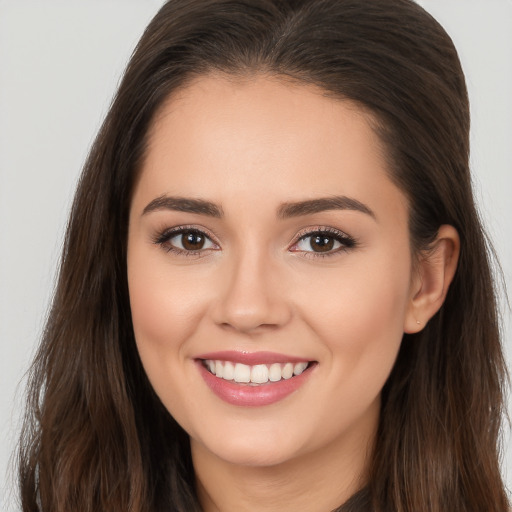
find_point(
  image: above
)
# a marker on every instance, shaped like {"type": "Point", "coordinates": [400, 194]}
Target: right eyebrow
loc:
{"type": "Point", "coordinates": [184, 204]}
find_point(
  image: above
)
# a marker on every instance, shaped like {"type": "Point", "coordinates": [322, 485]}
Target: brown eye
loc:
{"type": "Point", "coordinates": [322, 243]}
{"type": "Point", "coordinates": [192, 241]}
{"type": "Point", "coordinates": [189, 241]}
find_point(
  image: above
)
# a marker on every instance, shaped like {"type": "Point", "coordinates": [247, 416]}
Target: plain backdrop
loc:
{"type": "Point", "coordinates": [60, 62]}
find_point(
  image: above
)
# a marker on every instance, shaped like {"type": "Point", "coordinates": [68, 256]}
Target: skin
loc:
{"type": "Point", "coordinates": [250, 145]}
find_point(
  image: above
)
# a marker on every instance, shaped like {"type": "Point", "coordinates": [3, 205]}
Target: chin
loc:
{"type": "Point", "coordinates": [244, 451]}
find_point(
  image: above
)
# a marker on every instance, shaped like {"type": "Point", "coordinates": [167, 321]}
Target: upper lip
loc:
{"type": "Point", "coordinates": [251, 358]}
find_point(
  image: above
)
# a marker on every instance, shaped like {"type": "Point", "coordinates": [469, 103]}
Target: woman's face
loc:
{"type": "Point", "coordinates": [266, 239]}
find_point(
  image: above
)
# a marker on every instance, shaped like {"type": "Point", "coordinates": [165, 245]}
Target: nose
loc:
{"type": "Point", "coordinates": [252, 298]}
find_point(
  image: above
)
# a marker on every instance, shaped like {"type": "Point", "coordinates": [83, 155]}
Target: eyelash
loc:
{"type": "Point", "coordinates": [163, 238]}
{"type": "Point", "coordinates": [346, 242]}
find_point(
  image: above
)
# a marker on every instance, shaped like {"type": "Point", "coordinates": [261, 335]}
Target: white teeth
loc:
{"type": "Point", "coordinates": [218, 368]}
{"type": "Point", "coordinates": [229, 371]}
{"type": "Point", "coordinates": [274, 372]}
{"type": "Point", "coordinates": [242, 373]}
{"type": "Point", "coordinates": [287, 371]}
{"type": "Point", "coordinates": [298, 368]}
{"type": "Point", "coordinates": [257, 374]}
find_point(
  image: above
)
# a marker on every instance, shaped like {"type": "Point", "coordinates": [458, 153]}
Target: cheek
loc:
{"type": "Point", "coordinates": [165, 306]}
{"type": "Point", "coordinates": [360, 316]}
{"type": "Point", "coordinates": [165, 310]}
{"type": "Point", "coordinates": [360, 325]}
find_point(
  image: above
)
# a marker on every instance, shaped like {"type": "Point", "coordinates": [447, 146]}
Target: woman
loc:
{"type": "Point", "coordinates": [275, 292]}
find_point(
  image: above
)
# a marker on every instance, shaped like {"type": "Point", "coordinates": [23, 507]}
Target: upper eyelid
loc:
{"type": "Point", "coordinates": [176, 230]}
{"type": "Point", "coordinates": [321, 229]}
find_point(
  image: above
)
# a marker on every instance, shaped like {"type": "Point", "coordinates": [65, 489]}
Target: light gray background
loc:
{"type": "Point", "coordinates": [60, 62]}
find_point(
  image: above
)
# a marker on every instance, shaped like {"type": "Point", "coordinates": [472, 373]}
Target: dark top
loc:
{"type": "Point", "coordinates": [359, 502]}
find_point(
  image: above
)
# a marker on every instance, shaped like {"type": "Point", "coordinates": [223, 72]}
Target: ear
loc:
{"type": "Point", "coordinates": [432, 277]}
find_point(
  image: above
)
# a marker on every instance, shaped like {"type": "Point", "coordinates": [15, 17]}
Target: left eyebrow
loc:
{"type": "Point", "coordinates": [322, 204]}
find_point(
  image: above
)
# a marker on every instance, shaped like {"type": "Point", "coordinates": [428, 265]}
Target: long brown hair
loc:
{"type": "Point", "coordinates": [97, 438]}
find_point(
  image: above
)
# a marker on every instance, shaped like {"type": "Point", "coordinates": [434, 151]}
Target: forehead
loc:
{"type": "Point", "coordinates": [220, 137]}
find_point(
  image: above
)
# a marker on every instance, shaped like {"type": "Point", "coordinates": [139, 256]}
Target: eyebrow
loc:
{"type": "Point", "coordinates": [296, 209]}
{"type": "Point", "coordinates": [285, 211]}
{"type": "Point", "coordinates": [184, 204]}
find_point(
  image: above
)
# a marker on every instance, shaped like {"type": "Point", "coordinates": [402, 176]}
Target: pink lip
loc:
{"type": "Point", "coordinates": [251, 358]}
{"type": "Point", "coordinates": [252, 396]}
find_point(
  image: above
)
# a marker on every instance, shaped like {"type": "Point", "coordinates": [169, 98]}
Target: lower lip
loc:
{"type": "Point", "coordinates": [246, 395]}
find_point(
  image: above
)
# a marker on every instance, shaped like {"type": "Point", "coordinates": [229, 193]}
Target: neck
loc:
{"type": "Point", "coordinates": [318, 481]}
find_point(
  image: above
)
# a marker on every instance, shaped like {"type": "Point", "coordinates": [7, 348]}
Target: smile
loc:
{"type": "Point", "coordinates": [253, 379]}
{"type": "Point", "coordinates": [255, 374]}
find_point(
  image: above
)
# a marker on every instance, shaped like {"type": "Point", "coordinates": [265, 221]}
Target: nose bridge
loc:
{"type": "Point", "coordinates": [252, 297]}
